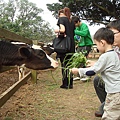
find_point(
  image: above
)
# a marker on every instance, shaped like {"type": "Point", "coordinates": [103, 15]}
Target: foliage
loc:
{"type": "Point", "coordinates": [94, 11]}
{"type": "Point", "coordinates": [23, 18]}
{"type": "Point", "coordinates": [77, 60]}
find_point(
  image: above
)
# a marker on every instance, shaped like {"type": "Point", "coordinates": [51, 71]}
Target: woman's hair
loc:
{"type": "Point", "coordinates": [114, 24]}
{"type": "Point", "coordinates": [60, 11]}
{"type": "Point", "coordinates": [104, 34]}
{"type": "Point", "coordinates": [67, 12]}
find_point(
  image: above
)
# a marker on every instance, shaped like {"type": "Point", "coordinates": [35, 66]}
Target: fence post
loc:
{"type": "Point", "coordinates": [34, 72]}
{"type": "Point", "coordinates": [34, 76]}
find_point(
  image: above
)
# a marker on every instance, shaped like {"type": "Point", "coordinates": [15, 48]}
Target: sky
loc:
{"type": "Point", "coordinates": [47, 15]}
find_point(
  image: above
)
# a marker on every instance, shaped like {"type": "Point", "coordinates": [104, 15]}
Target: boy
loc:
{"type": "Point", "coordinates": [108, 65]}
{"type": "Point", "coordinates": [82, 36]}
{"type": "Point", "coordinates": [98, 85]}
{"type": "Point", "coordinates": [83, 41]}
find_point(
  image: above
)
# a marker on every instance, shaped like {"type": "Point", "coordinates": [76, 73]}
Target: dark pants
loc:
{"type": "Point", "coordinates": [66, 79]}
{"type": "Point", "coordinates": [100, 91]}
{"type": "Point", "coordinates": [84, 49]}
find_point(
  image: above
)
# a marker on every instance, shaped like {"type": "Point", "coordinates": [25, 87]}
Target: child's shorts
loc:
{"type": "Point", "coordinates": [112, 107]}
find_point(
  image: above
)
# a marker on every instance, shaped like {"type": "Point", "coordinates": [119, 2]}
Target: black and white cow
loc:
{"type": "Point", "coordinates": [32, 57]}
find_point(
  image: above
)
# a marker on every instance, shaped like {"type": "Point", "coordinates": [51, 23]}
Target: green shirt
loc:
{"type": "Point", "coordinates": [84, 33]}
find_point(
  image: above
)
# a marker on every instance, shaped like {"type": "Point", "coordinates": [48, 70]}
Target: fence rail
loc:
{"type": "Point", "coordinates": [10, 91]}
{"type": "Point", "coordinates": [10, 36]}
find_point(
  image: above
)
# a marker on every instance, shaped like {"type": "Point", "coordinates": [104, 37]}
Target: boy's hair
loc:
{"type": "Point", "coordinates": [76, 19]}
{"type": "Point", "coordinates": [105, 34]}
{"type": "Point", "coordinates": [114, 24]}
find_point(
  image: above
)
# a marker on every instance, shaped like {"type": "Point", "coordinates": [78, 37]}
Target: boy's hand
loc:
{"type": "Point", "coordinates": [90, 63]}
{"type": "Point", "coordinates": [76, 32]}
{"type": "Point", "coordinates": [76, 46]}
{"type": "Point", "coordinates": [74, 71]}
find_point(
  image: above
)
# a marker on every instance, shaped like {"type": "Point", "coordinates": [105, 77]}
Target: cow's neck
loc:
{"type": "Point", "coordinates": [9, 54]}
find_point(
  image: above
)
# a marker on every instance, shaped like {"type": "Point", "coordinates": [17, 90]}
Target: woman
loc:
{"type": "Point", "coordinates": [66, 27]}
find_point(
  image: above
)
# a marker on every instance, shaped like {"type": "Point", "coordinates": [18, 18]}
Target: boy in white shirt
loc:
{"type": "Point", "coordinates": [108, 65]}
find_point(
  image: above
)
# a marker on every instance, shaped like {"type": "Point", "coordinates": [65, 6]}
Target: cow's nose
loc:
{"type": "Point", "coordinates": [56, 64]}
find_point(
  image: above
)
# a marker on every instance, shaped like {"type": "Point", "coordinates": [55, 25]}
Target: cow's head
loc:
{"type": "Point", "coordinates": [36, 58]}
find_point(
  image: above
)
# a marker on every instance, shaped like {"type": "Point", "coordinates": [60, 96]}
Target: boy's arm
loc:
{"type": "Point", "coordinates": [90, 71]}
{"type": "Point", "coordinates": [76, 71]}
{"type": "Point", "coordinates": [83, 32]}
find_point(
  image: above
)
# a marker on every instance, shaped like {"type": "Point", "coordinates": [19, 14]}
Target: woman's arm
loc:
{"type": "Point", "coordinates": [61, 29]}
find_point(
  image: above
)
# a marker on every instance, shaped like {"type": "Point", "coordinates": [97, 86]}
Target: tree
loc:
{"type": "Point", "coordinates": [94, 11]}
{"type": "Point", "coordinates": [23, 18]}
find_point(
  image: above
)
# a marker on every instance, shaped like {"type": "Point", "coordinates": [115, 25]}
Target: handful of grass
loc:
{"type": "Point", "coordinates": [77, 60]}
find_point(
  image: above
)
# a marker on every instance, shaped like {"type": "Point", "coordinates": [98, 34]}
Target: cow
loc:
{"type": "Point", "coordinates": [47, 48]}
{"type": "Point", "coordinates": [31, 57]}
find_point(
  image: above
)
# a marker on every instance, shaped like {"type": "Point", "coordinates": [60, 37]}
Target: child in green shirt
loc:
{"type": "Point", "coordinates": [83, 40]}
{"type": "Point", "coordinates": [82, 36]}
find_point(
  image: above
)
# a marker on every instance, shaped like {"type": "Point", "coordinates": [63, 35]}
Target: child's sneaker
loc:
{"type": "Point", "coordinates": [76, 78]}
{"type": "Point", "coordinates": [85, 79]}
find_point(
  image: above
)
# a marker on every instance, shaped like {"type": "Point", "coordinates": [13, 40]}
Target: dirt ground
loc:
{"type": "Point", "coordinates": [46, 100]}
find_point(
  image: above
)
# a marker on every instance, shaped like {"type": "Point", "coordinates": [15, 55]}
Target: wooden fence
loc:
{"type": "Point", "coordinates": [10, 36]}
{"type": "Point", "coordinates": [93, 53]}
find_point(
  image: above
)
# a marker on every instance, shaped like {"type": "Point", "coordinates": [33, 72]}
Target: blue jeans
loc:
{"type": "Point", "coordinates": [100, 91]}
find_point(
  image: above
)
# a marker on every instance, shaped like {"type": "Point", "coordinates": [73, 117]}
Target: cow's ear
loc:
{"type": "Point", "coordinates": [24, 52]}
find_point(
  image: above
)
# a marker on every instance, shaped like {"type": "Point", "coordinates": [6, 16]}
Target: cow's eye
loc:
{"type": "Point", "coordinates": [41, 54]}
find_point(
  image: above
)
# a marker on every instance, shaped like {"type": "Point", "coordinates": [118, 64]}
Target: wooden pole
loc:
{"type": "Point", "coordinates": [34, 72]}
{"type": "Point", "coordinates": [34, 76]}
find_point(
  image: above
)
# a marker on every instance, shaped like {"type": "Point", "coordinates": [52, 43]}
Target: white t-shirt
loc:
{"type": "Point", "coordinates": [108, 65]}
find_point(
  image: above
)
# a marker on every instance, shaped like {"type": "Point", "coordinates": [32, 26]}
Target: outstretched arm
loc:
{"type": "Point", "coordinates": [76, 71]}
